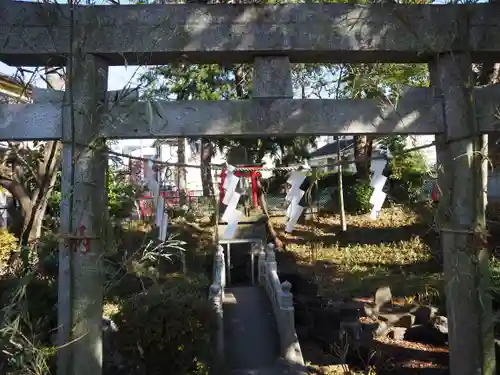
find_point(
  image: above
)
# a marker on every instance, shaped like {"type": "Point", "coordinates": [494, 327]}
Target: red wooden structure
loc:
{"type": "Point", "coordinates": [435, 193]}
{"type": "Point", "coordinates": [172, 198]}
{"type": "Point", "coordinates": [252, 174]}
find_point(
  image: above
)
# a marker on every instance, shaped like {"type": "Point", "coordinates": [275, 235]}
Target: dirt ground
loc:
{"type": "Point", "coordinates": [325, 266]}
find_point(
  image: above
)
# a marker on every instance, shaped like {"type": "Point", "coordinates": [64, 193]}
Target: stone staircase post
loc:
{"type": "Point", "coordinates": [271, 264]}
{"type": "Point", "coordinates": [290, 347]}
{"type": "Point", "coordinates": [221, 266]}
{"type": "Point", "coordinates": [286, 305]}
{"type": "Point", "coordinates": [261, 265]}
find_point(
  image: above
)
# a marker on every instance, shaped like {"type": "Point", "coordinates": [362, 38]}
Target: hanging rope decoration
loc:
{"type": "Point", "coordinates": [377, 182]}
{"type": "Point", "coordinates": [294, 198]}
{"type": "Point", "coordinates": [231, 215]}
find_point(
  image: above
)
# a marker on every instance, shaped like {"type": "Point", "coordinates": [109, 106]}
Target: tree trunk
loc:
{"type": "Point", "coordinates": [32, 229]}
{"type": "Point", "coordinates": [239, 81]}
{"type": "Point", "coordinates": [363, 145]}
{"type": "Point", "coordinates": [34, 204]}
{"type": "Point", "coordinates": [207, 151]}
{"type": "Point", "coordinates": [47, 169]}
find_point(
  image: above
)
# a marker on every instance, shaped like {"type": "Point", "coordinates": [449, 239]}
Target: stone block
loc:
{"type": "Point", "coordinates": [383, 296]}
{"type": "Point", "coordinates": [397, 333]}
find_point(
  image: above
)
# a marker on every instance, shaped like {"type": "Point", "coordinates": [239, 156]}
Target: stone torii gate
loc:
{"type": "Point", "coordinates": [89, 39]}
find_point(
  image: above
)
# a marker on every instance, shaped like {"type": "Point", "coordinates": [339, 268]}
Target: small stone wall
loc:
{"type": "Point", "coordinates": [282, 301]}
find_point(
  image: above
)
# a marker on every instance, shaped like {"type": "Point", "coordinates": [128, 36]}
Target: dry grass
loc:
{"type": "Point", "coordinates": [392, 250]}
{"type": "Point", "coordinates": [336, 370]}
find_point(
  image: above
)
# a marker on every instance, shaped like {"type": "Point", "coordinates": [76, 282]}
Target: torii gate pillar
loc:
{"type": "Point", "coordinates": [82, 200]}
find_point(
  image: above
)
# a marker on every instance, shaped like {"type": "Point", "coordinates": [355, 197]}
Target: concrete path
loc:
{"type": "Point", "coordinates": [250, 333]}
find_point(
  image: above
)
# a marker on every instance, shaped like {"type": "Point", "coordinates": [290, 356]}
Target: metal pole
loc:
{"type": "Point", "coordinates": [343, 223]}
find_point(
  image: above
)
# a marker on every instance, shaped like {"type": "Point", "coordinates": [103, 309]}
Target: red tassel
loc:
{"type": "Point", "coordinates": [435, 193]}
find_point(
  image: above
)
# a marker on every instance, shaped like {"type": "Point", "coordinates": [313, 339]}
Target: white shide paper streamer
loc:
{"type": "Point", "coordinates": [294, 196]}
{"type": "Point", "coordinates": [377, 183]}
{"type": "Point", "coordinates": [231, 215]}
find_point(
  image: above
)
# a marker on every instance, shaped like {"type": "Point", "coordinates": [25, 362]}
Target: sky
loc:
{"type": "Point", "coordinates": [118, 78]}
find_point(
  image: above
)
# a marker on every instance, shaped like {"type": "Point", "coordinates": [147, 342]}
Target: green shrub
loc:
{"type": "Point", "coordinates": [27, 320]}
{"type": "Point", "coordinates": [406, 171]}
{"type": "Point", "coordinates": [48, 255]}
{"type": "Point", "coordinates": [357, 197]}
{"type": "Point", "coordinates": [8, 245]}
{"type": "Point", "coordinates": [356, 193]}
{"type": "Point", "coordinates": [168, 329]}
{"type": "Point", "coordinates": [276, 183]}
{"type": "Point", "coordinates": [120, 193]}
{"type": "Point", "coordinates": [408, 187]}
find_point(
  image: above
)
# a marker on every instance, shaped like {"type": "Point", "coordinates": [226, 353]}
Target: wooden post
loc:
{"type": "Point", "coordinates": [463, 224]}
{"type": "Point", "coordinates": [83, 196]}
{"type": "Point", "coordinates": [181, 171]}
{"type": "Point", "coordinates": [261, 265]}
{"type": "Point", "coordinates": [343, 224]}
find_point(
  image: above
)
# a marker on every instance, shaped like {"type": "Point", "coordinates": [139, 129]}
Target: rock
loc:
{"type": "Point", "coordinates": [397, 333]}
{"type": "Point", "coordinates": [397, 319]}
{"type": "Point", "coordinates": [424, 314]}
{"type": "Point", "coordinates": [369, 311]}
{"type": "Point", "coordinates": [406, 321]}
{"type": "Point", "coordinates": [383, 296]}
{"type": "Point", "coordinates": [390, 318]}
{"type": "Point", "coordinates": [426, 334]}
{"type": "Point", "coordinates": [441, 324]}
{"type": "Point", "coordinates": [381, 330]}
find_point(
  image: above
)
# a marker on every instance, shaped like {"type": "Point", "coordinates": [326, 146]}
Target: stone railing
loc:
{"type": "Point", "coordinates": [216, 296]}
{"type": "Point", "coordinates": [282, 302]}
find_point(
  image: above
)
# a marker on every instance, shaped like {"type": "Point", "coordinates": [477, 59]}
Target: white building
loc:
{"type": "Point", "coordinates": [167, 152]}
{"type": "Point", "coordinates": [325, 156]}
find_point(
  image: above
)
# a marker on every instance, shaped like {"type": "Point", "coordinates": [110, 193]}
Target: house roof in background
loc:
{"type": "Point", "coordinates": [14, 87]}
{"type": "Point", "coordinates": [332, 148]}
{"type": "Point", "coordinates": [10, 79]}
